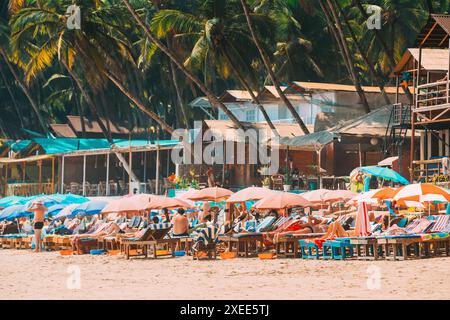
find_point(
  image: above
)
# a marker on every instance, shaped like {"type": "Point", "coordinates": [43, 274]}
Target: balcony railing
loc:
{"type": "Point", "coordinates": [432, 96]}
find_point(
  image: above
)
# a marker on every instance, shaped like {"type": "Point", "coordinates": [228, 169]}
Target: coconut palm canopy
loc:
{"type": "Point", "coordinates": [141, 62]}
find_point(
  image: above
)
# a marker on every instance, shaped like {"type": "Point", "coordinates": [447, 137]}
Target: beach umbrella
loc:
{"type": "Point", "coordinates": [385, 193]}
{"type": "Point", "coordinates": [160, 202]}
{"type": "Point", "coordinates": [13, 212]}
{"type": "Point", "coordinates": [188, 194]}
{"type": "Point", "coordinates": [324, 195]}
{"type": "Point", "coordinates": [211, 194]}
{"type": "Point", "coordinates": [133, 203]}
{"type": "Point", "coordinates": [315, 196]}
{"type": "Point", "coordinates": [384, 173]}
{"type": "Point", "coordinates": [89, 208]}
{"type": "Point", "coordinates": [362, 224]}
{"type": "Point", "coordinates": [366, 197]}
{"type": "Point", "coordinates": [413, 192]}
{"type": "Point", "coordinates": [10, 201]}
{"type": "Point", "coordinates": [281, 200]}
{"type": "Point", "coordinates": [55, 209]}
{"type": "Point", "coordinates": [337, 195]}
{"type": "Point", "coordinates": [250, 194]}
{"type": "Point", "coordinates": [67, 211]}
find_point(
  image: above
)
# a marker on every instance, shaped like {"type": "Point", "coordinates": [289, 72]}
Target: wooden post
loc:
{"type": "Point", "coordinates": [360, 154]}
{"type": "Point", "coordinates": [107, 191]}
{"type": "Point", "coordinates": [84, 175]}
{"type": "Point", "coordinates": [319, 165]}
{"type": "Point", "coordinates": [413, 132]}
{"type": "Point", "coordinates": [157, 169]}
{"type": "Point", "coordinates": [53, 175]}
{"type": "Point", "coordinates": [130, 180]}
{"type": "Point", "coordinates": [40, 175]}
{"type": "Point", "coordinates": [63, 159]}
{"type": "Point", "coordinates": [448, 75]}
{"type": "Point", "coordinates": [397, 84]}
{"type": "Point", "coordinates": [145, 171]}
{"type": "Point", "coordinates": [24, 172]}
{"type": "Point", "coordinates": [6, 180]}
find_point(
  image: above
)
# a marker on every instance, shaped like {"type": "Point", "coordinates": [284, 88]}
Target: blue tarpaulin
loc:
{"type": "Point", "coordinates": [384, 173]}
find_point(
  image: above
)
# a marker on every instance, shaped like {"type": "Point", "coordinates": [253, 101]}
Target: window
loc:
{"type": "Point", "coordinates": [223, 116]}
{"type": "Point", "coordinates": [250, 115]}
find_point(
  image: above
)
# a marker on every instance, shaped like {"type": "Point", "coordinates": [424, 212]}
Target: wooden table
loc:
{"type": "Point", "coordinates": [172, 243]}
{"type": "Point", "coordinates": [291, 245]}
{"type": "Point", "coordinates": [243, 243]}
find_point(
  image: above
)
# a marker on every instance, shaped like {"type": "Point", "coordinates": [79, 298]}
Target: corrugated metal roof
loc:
{"type": "Point", "coordinates": [432, 59]}
{"type": "Point", "coordinates": [63, 130]}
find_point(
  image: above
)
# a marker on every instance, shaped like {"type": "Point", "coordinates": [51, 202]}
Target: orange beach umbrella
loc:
{"type": "Point", "coordinates": [282, 200]}
{"type": "Point", "coordinates": [251, 193]}
{"type": "Point", "coordinates": [211, 194]}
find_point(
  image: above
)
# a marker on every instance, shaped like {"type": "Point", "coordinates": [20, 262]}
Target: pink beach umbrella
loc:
{"type": "Point", "coordinates": [362, 225]}
{"type": "Point", "coordinates": [282, 200]}
{"type": "Point", "coordinates": [211, 194]}
{"type": "Point", "coordinates": [135, 203]}
{"type": "Point", "coordinates": [188, 194]}
{"type": "Point", "coordinates": [324, 195]}
{"type": "Point", "coordinates": [250, 194]}
{"type": "Point", "coordinates": [160, 202]}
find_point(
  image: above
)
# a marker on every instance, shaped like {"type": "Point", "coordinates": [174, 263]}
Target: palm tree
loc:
{"type": "Point", "coordinates": [210, 95]}
{"type": "Point", "coordinates": [219, 40]}
{"type": "Point", "coordinates": [269, 69]}
{"type": "Point", "coordinates": [336, 24]}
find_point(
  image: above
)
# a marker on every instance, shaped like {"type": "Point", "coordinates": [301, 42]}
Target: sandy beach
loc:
{"type": "Point", "coordinates": [26, 275]}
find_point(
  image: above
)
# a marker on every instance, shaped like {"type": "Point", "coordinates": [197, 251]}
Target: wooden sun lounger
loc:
{"type": "Point", "coordinates": [399, 248]}
{"type": "Point", "coordinates": [245, 245]}
{"type": "Point", "coordinates": [291, 246]}
{"type": "Point", "coordinates": [151, 239]}
{"type": "Point", "coordinates": [367, 248]}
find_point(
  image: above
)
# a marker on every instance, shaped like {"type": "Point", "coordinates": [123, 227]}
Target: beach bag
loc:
{"type": "Point", "coordinates": [84, 246]}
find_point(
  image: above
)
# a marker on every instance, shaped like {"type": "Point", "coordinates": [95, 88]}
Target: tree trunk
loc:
{"type": "Point", "coordinates": [272, 76]}
{"type": "Point", "coordinates": [369, 64]}
{"type": "Point", "coordinates": [345, 50]}
{"type": "Point", "coordinates": [173, 73]}
{"type": "Point", "coordinates": [250, 92]}
{"type": "Point", "coordinates": [16, 106]}
{"type": "Point", "coordinates": [383, 45]}
{"type": "Point", "coordinates": [79, 109]}
{"type": "Point", "coordinates": [139, 104]}
{"type": "Point", "coordinates": [105, 131]}
{"type": "Point", "coordinates": [26, 92]}
{"type": "Point", "coordinates": [210, 95]}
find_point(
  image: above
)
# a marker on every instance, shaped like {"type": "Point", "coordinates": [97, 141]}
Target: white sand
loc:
{"type": "Point", "coordinates": [25, 275]}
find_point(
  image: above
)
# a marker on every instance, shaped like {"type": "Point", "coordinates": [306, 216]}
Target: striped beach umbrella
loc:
{"type": "Point", "coordinates": [414, 192]}
{"type": "Point", "coordinates": [362, 224]}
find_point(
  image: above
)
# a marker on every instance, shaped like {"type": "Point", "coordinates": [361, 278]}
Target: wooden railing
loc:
{"type": "Point", "coordinates": [28, 189]}
{"type": "Point", "coordinates": [432, 95]}
{"type": "Point", "coordinates": [431, 171]}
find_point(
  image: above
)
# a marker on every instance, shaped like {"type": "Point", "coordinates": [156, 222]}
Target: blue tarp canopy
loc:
{"type": "Point", "coordinates": [384, 173]}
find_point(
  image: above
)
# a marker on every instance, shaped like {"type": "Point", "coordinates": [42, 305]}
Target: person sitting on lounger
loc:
{"type": "Point", "coordinates": [165, 212]}
{"type": "Point", "coordinates": [180, 224]}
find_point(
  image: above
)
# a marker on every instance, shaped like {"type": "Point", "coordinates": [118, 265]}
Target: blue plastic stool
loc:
{"type": "Point", "coordinates": [309, 250]}
{"type": "Point", "coordinates": [337, 249]}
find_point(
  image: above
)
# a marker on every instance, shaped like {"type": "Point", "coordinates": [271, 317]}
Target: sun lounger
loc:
{"type": "Point", "coordinates": [338, 249]}
{"type": "Point", "coordinates": [205, 242]}
{"type": "Point", "coordinates": [245, 244]}
{"type": "Point", "coordinates": [288, 245]}
{"type": "Point", "coordinates": [151, 237]}
{"type": "Point", "coordinates": [441, 223]}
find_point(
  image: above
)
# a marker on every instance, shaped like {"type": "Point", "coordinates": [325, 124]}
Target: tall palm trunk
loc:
{"type": "Point", "coordinates": [272, 76]}
{"type": "Point", "coordinates": [250, 91]}
{"type": "Point", "coordinates": [210, 95]}
{"type": "Point", "coordinates": [383, 45]}
{"type": "Point", "coordinates": [16, 106]}
{"type": "Point", "coordinates": [375, 76]}
{"type": "Point", "coordinates": [173, 73]}
{"type": "Point", "coordinates": [106, 132]}
{"type": "Point", "coordinates": [79, 109]}
{"type": "Point", "coordinates": [27, 93]}
{"type": "Point", "coordinates": [336, 27]}
{"type": "Point", "coordinates": [166, 127]}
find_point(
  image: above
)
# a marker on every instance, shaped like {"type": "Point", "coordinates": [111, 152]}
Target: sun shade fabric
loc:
{"type": "Point", "coordinates": [310, 142]}
{"type": "Point", "coordinates": [384, 173]}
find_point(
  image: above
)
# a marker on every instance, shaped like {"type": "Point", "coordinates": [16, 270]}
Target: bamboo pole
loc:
{"type": "Point", "coordinates": [53, 175]}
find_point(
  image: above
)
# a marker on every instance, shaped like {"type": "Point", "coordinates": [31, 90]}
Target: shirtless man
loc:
{"type": "Point", "coordinates": [180, 224]}
{"type": "Point", "coordinates": [38, 222]}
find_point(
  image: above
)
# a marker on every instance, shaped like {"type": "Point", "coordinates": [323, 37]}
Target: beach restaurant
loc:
{"type": "Point", "coordinates": [90, 167]}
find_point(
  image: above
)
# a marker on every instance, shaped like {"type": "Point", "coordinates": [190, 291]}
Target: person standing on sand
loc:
{"type": "Point", "coordinates": [39, 210]}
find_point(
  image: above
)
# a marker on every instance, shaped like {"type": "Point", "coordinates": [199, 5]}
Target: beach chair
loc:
{"type": "Point", "coordinates": [338, 249]}
{"type": "Point", "coordinates": [150, 238]}
{"type": "Point", "coordinates": [367, 248]}
{"type": "Point", "coordinates": [205, 243]}
{"type": "Point", "coordinates": [309, 249]}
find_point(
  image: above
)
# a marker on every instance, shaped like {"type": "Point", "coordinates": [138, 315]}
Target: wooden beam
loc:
{"type": "Point", "coordinates": [428, 34]}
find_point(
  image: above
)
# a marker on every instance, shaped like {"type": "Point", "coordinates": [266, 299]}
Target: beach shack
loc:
{"type": "Point", "coordinates": [90, 167]}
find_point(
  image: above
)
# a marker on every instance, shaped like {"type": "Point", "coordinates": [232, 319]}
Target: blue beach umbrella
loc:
{"type": "Point", "coordinates": [55, 209]}
{"type": "Point", "coordinates": [384, 173]}
{"type": "Point", "coordinates": [13, 212]}
{"type": "Point", "coordinates": [89, 208]}
{"type": "Point", "coordinates": [10, 201]}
